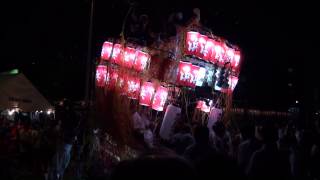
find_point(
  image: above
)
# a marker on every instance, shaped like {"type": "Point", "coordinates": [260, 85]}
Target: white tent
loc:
{"type": "Point", "coordinates": [16, 91]}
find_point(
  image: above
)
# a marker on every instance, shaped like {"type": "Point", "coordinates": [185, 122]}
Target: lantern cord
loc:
{"type": "Point", "coordinates": [125, 22]}
{"type": "Point", "coordinates": [186, 101]}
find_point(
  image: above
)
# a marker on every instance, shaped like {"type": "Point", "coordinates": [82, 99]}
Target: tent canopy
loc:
{"type": "Point", "coordinates": [16, 91]}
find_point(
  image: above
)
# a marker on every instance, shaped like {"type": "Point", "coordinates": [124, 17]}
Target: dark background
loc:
{"type": "Point", "coordinates": [47, 40]}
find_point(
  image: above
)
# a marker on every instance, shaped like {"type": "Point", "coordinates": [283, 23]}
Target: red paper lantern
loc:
{"type": "Point", "coordinates": [112, 78]}
{"type": "Point", "coordinates": [129, 57]}
{"type": "Point", "coordinates": [122, 83]}
{"type": "Point", "coordinates": [219, 53]}
{"type": "Point", "coordinates": [201, 46]}
{"type": "Point", "coordinates": [209, 50]}
{"type": "Point", "coordinates": [116, 54]}
{"type": "Point", "coordinates": [201, 76]}
{"type": "Point", "coordinates": [133, 87]}
{"type": "Point", "coordinates": [106, 50]}
{"type": "Point", "coordinates": [184, 73]}
{"type": "Point", "coordinates": [160, 98]}
{"type": "Point", "coordinates": [195, 74]}
{"type": "Point", "coordinates": [235, 62]}
{"type": "Point", "coordinates": [101, 73]}
{"type": "Point", "coordinates": [229, 55]}
{"type": "Point", "coordinates": [141, 61]}
{"type": "Point", "coordinates": [146, 94]}
{"type": "Point", "coordinates": [192, 41]}
{"type": "Point", "coordinates": [187, 74]}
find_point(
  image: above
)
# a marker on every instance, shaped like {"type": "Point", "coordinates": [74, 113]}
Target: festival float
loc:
{"type": "Point", "coordinates": [193, 73]}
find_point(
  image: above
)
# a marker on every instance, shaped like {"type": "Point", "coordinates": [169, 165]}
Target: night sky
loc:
{"type": "Point", "coordinates": [47, 40]}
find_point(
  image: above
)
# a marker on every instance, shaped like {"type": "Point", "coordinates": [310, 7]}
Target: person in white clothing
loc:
{"type": "Point", "coordinates": [138, 123]}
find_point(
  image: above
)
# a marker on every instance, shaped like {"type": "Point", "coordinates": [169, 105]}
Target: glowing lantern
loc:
{"type": "Point", "coordinates": [235, 61]}
{"type": "Point", "coordinates": [160, 98]}
{"type": "Point", "coordinates": [141, 61]}
{"type": "Point", "coordinates": [187, 74]}
{"type": "Point", "coordinates": [146, 94]}
{"type": "Point", "coordinates": [201, 46]}
{"type": "Point", "coordinates": [219, 53]}
{"type": "Point", "coordinates": [112, 78]}
{"type": "Point", "coordinates": [229, 54]}
{"type": "Point", "coordinates": [192, 41]}
{"type": "Point", "coordinates": [101, 73]}
{"type": "Point", "coordinates": [209, 50]}
{"type": "Point", "coordinates": [106, 50]}
{"type": "Point", "coordinates": [223, 56]}
{"type": "Point", "coordinates": [195, 75]}
{"type": "Point", "coordinates": [184, 73]}
{"type": "Point", "coordinates": [133, 87]}
{"type": "Point", "coordinates": [201, 76]}
{"type": "Point", "coordinates": [210, 76]}
{"type": "Point", "coordinates": [116, 54]}
{"type": "Point", "coordinates": [121, 83]}
{"type": "Point", "coordinates": [129, 57]}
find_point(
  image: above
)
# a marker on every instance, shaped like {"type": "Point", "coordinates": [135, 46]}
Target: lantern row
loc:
{"type": "Point", "coordinates": [125, 56]}
{"type": "Point", "coordinates": [210, 50]}
{"type": "Point", "coordinates": [131, 86]}
{"type": "Point", "coordinates": [191, 76]}
{"type": "Point", "coordinates": [188, 75]}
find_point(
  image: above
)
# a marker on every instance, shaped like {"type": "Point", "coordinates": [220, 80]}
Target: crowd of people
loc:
{"type": "Point", "coordinates": [26, 146]}
{"type": "Point", "coordinates": [258, 150]}
{"type": "Point", "coordinates": [37, 148]}
{"type": "Point", "coordinates": [48, 148]}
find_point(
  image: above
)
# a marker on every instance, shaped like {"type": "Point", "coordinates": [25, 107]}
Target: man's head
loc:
{"type": "Point", "coordinates": [247, 132]}
{"type": "Point", "coordinates": [269, 133]}
{"type": "Point", "coordinates": [219, 128]}
{"type": "Point", "coordinates": [154, 167]}
{"type": "Point", "coordinates": [201, 134]}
